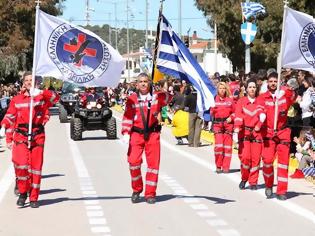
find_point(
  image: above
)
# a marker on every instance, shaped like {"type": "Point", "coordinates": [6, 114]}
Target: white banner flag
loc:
{"type": "Point", "coordinates": [74, 54]}
{"type": "Point", "coordinates": [299, 41]}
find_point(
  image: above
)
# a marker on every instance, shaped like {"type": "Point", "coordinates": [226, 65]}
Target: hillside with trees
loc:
{"type": "Point", "coordinates": [265, 48]}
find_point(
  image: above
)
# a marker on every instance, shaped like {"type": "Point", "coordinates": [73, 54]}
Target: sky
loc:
{"type": "Point", "coordinates": [103, 13]}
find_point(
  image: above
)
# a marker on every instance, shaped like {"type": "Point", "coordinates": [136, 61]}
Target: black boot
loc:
{"type": "Point", "coordinates": [268, 192]}
{"type": "Point", "coordinates": [34, 204]}
{"type": "Point", "coordinates": [22, 199]}
{"type": "Point", "coordinates": [151, 200]}
{"type": "Point", "coordinates": [242, 185]}
{"type": "Point", "coordinates": [135, 197]}
{"type": "Point", "coordinates": [253, 187]}
{"type": "Point", "coordinates": [281, 197]}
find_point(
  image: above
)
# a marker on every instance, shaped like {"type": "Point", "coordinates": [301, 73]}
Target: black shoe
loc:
{"type": "Point", "coordinates": [135, 197]}
{"type": "Point", "coordinates": [219, 170]}
{"type": "Point", "coordinates": [268, 192]}
{"type": "Point", "coordinates": [253, 187]}
{"type": "Point", "coordinates": [34, 204]}
{"type": "Point", "coordinates": [22, 199]}
{"type": "Point", "coordinates": [180, 142]}
{"type": "Point", "coordinates": [242, 185]}
{"type": "Point", "coordinates": [281, 197]}
{"type": "Point", "coordinates": [150, 200]}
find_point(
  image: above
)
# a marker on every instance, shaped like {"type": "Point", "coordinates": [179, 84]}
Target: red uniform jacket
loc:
{"type": "Point", "coordinates": [247, 113]}
{"type": "Point", "coordinates": [284, 103]}
{"type": "Point", "coordinates": [224, 108]}
{"type": "Point", "coordinates": [18, 111]}
{"type": "Point", "coordinates": [132, 116]}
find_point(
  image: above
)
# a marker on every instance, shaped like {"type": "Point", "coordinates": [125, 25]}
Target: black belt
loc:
{"type": "Point", "coordinates": [249, 128]}
{"type": "Point", "coordinates": [217, 120]}
{"type": "Point", "coordinates": [38, 130]}
{"type": "Point", "coordinates": [277, 140]}
{"type": "Point", "coordinates": [250, 139]}
{"type": "Point", "coordinates": [33, 126]}
{"type": "Point", "coordinates": [155, 128]}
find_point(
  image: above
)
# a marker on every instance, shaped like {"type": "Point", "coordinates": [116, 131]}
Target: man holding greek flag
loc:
{"type": "Point", "coordinates": [175, 59]}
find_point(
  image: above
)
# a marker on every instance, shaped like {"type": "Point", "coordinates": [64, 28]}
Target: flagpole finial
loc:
{"type": "Point", "coordinates": [286, 2]}
{"type": "Point", "coordinates": [38, 2]}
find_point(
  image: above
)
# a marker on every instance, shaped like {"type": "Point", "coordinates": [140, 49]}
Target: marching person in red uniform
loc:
{"type": "Point", "coordinates": [141, 130]}
{"type": "Point", "coordinates": [223, 116]}
{"type": "Point", "coordinates": [28, 161]}
{"type": "Point", "coordinates": [276, 141]}
{"type": "Point", "coordinates": [249, 117]}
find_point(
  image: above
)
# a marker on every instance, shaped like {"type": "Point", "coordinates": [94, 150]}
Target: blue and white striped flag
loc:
{"type": "Point", "coordinates": [175, 59]}
{"type": "Point", "coordinates": [252, 9]}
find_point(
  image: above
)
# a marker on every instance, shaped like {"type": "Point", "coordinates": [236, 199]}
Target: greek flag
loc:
{"type": "Point", "coordinates": [250, 9]}
{"type": "Point", "coordinates": [175, 59]}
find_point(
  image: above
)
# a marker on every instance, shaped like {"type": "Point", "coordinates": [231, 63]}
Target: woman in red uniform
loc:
{"type": "Point", "coordinates": [223, 116]}
{"type": "Point", "coordinates": [249, 117]}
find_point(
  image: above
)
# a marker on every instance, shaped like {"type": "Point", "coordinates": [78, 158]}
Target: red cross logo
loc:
{"type": "Point", "coordinates": [79, 49]}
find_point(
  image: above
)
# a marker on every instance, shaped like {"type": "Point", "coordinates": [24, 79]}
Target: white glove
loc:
{"type": "Point", "coordinates": [279, 93]}
{"type": "Point", "coordinates": [2, 132]}
{"type": "Point", "coordinates": [126, 138]}
{"type": "Point", "coordinates": [235, 137]}
{"type": "Point", "coordinates": [35, 91]}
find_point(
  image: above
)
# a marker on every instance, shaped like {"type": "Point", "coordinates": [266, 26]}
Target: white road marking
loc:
{"type": "Point", "coordinates": [93, 208]}
{"type": "Point", "coordinates": [6, 182]}
{"type": "Point", "coordinates": [206, 214]}
{"type": "Point", "coordinates": [294, 208]}
{"type": "Point", "coordinates": [216, 222]}
{"type": "Point", "coordinates": [228, 232]}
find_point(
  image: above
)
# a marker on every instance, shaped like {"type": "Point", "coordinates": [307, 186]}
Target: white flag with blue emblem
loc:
{"type": "Point", "coordinates": [299, 41]}
{"type": "Point", "coordinates": [74, 54]}
{"type": "Point", "coordinates": [175, 59]}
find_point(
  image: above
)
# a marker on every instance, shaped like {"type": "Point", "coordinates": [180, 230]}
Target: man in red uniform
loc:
{"type": "Point", "coordinates": [28, 161]}
{"type": "Point", "coordinates": [141, 129]}
{"type": "Point", "coordinates": [249, 117]}
{"type": "Point", "coordinates": [276, 141]}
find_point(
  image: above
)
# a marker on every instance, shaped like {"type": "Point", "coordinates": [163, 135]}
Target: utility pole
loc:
{"type": "Point", "coordinates": [247, 56]}
{"type": "Point", "coordinates": [87, 12]}
{"type": "Point", "coordinates": [146, 22]}
{"type": "Point", "coordinates": [128, 50]}
{"type": "Point", "coordinates": [116, 30]}
{"type": "Point", "coordinates": [180, 18]}
{"type": "Point", "coordinates": [215, 47]}
{"type": "Point", "coordinates": [110, 28]}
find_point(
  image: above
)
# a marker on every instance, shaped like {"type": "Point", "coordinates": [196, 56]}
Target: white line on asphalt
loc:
{"type": "Point", "coordinates": [6, 181]}
{"type": "Point", "coordinates": [93, 208]}
{"type": "Point", "coordinates": [235, 178]}
{"type": "Point", "coordinates": [228, 232]}
{"type": "Point", "coordinates": [200, 209]}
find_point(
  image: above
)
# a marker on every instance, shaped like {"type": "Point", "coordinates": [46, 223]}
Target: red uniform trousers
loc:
{"type": "Point", "coordinates": [280, 145]}
{"type": "Point", "coordinates": [250, 147]}
{"type": "Point", "coordinates": [152, 152]}
{"type": "Point", "coordinates": [28, 164]}
{"type": "Point", "coordinates": [223, 145]}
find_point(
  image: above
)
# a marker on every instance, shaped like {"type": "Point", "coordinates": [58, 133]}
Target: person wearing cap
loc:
{"type": "Point", "coordinates": [276, 141]}
{"type": "Point", "coordinates": [27, 160]}
{"type": "Point", "coordinates": [141, 131]}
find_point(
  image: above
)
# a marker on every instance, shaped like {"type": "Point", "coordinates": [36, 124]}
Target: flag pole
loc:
{"type": "Point", "coordinates": [33, 74]}
{"type": "Point", "coordinates": [157, 40]}
{"type": "Point", "coordinates": [280, 65]}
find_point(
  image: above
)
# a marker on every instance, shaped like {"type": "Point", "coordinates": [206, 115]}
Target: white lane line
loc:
{"type": "Point", "coordinates": [94, 211]}
{"type": "Point", "coordinates": [294, 208]}
{"type": "Point", "coordinates": [6, 181]}
{"type": "Point", "coordinates": [200, 209]}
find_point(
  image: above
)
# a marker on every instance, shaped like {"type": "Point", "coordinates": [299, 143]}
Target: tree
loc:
{"type": "Point", "coordinates": [266, 46]}
{"type": "Point", "coordinates": [17, 26]}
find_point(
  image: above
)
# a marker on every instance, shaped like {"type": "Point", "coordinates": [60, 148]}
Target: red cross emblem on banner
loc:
{"type": "Point", "coordinates": [79, 49]}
